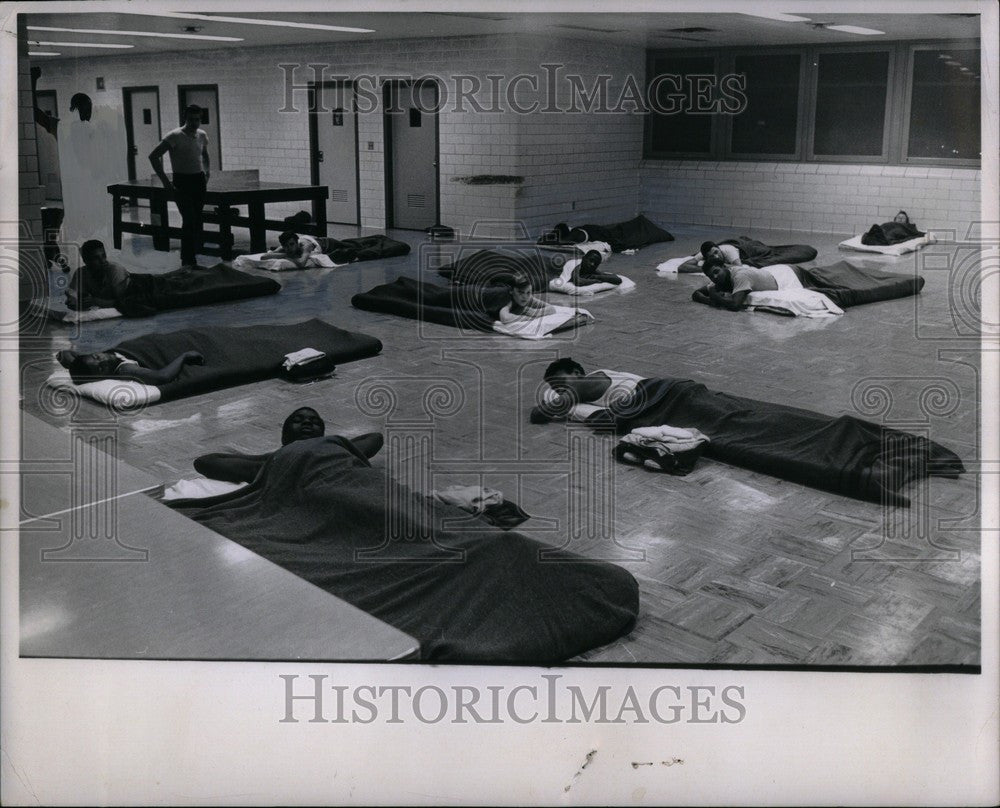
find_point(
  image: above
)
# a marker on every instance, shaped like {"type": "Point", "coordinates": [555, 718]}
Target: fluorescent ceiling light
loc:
{"type": "Point", "coordinates": [775, 15]}
{"type": "Point", "coordinates": [135, 33]}
{"type": "Point", "coordinates": [854, 29]}
{"type": "Point", "coordinates": [43, 53]}
{"type": "Point", "coordinates": [251, 21]}
{"type": "Point", "coordinates": [79, 45]}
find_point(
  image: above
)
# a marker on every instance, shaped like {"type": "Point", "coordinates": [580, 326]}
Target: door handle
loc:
{"type": "Point", "coordinates": [135, 149]}
{"type": "Point", "coordinates": [319, 157]}
{"type": "Point", "coordinates": [434, 163]}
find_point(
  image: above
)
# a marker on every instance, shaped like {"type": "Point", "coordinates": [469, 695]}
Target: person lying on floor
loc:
{"type": "Point", "coordinates": [900, 229]}
{"type": "Point", "coordinates": [296, 248]}
{"type": "Point", "coordinates": [584, 271]}
{"type": "Point", "coordinates": [729, 254]}
{"type": "Point", "coordinates": [730, 286]}
{"type": "Point", "coordinates": [303, 424]}
{"type": "Point", "coordinates": [93, 367]}
{"type": "Point", "coordinates": [99, 283]}
{"type": "Point", "coordinates": [523, 303]}
{"type": "Point", "coordinates": [571, 385]}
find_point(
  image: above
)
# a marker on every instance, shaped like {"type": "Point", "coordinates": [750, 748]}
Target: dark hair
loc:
{"type": "Point", "coordinates": [519, 280]}
{"type": "Point", "coordinates": [88, 248]}
{"type": "Point", "coordinates": [287, 235]}
{"type": "Point", "coordinates": [907, 215]}
{"type": "Point", "coordinates": [81, 102]}
{"type": "Point", "coordinates": [80, 373]}
{"type": "Point", "coordinates": [594, 257]}
{"type": "Point", "coordinates": [727, 284]}
{"type": "Point", "coordinates": [705, 247]}
{"type": "Point", "coordinates": [562, 367]}
{"type": "Point", "coordinates": [191, 108]}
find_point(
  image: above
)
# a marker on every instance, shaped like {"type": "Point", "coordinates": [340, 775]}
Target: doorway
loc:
{"type": "Point", "coordinates": [142, 128]}
{"type": "Point", "coordinates": [333, 148]}
{"type": "Point", "coordinates": [205, 96]}
{"type": "Point", "coordinates": [411, 154]}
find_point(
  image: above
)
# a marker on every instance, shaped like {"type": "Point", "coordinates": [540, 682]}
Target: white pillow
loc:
{"type": "Point", "coordinates": [120, 394]}
{"type": "Point", "coordinates": [902, 248]}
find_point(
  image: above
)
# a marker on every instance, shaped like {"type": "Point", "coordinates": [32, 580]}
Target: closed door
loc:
{"type": "Point", "coordinates": [142, 129]}
{"type": "Point", "coordinates": [411, 119]}
{"type": "Point", "coordinates": [334, 149]}
{"type": "Point", "coordinates": [208, 99]}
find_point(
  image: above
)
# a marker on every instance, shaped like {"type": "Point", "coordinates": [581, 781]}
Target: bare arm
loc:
{"type": "Point", "coordinates": [206, 160]}
{"type": "Point", "coordinates": [156, 161]}
{"type": "Point", "coordinates": [231, 468]}
{"type": "Point", "coordinates": [164, 374]}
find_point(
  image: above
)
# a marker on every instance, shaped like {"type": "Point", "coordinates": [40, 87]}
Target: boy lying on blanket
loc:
{"type": "Point", "coordinates": [530, 317]}
{"type": "Point", "coordinates": [728, 254]}
{"type": "Point", "coordinates": [302, 250]}
{"type": "Point", "coordinates": [99, 283]}
{"type": "Point", "coordinates": [730, 286]}
{"type": "Point", "coordinates": [85, 368]}
{"type": "Point", "coordinates": [900, 229]}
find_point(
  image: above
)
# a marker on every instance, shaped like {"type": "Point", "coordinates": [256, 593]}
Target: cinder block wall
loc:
{"type": "Point", "coordinates": [812, 197]}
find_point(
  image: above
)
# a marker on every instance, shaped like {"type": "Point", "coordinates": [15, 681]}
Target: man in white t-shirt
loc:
{"type": "Point", "coordinates": [730, 286]}
{"type": "Point", "coordinates": [188, 149]}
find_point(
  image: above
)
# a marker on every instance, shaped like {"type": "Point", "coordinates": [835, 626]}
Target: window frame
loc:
{"type": "Point", "coordinates": [800, 122]}
{"type": "Point", "coordinates": [713, 136]}
{"type": "Point", "coordinates": [896, 125]}
{"type": "Point", "coordinates": [907, 105]}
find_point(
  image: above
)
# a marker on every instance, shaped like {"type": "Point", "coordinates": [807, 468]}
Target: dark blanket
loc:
{"type": "Point", "coordinates": [364, 248]}
{"type": "Point", "coordinates": [849, 285]}
{"type": "Point", "coordinates": [631, 235]}
{"type": "Point", "coordinates": [190, 286]}
{"type": "Point", "coordinates": [239, 355]}
{"type": "Point", "coordinates": [485, 267]}
{"type": "Point", "coordinates": [758, 254]}
{"type": "Point", "coordinates": [472, 307]}
{"type": "Point", "coordinates": [843, 454]}
{"type": "Point", "coordinates": [479, 595]}
{"type": "Point", "coordinates": [889, 233]}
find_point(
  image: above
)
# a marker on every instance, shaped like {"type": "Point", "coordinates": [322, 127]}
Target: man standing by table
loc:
{"type": "Point", "coordinates": [188, 148]}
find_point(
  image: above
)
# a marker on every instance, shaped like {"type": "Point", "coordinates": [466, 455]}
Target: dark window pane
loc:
{"type": "Point", "coordinates": [414, 116]}
{"type": "Point", "coordinates": [850, 103]}
{"type": "Point", "coordinates": [675, 126]}
{"type": "Point", "coordinates": [944, 106]}
{"type": "Point", "coordinates": [769, 122]}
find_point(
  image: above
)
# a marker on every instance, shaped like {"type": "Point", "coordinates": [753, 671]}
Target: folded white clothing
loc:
{"type": "Point", "coordinates": [674, 439]}
{"type": "Point", "coordinates": [670, 266]}
{"type": "Point", "coordinates": [302, 357]}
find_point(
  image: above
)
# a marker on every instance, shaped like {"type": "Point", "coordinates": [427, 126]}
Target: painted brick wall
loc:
{"type": "Point", "coordinates": [812, 197]}
{"type": "Point", "coordinates": [32, 274]}
{"type": "Point", "coordinates": [579, 167]}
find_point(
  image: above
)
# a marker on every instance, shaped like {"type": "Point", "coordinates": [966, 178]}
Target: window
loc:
{"type": "Point", "coordinates": [944, 104]}
{"type": "Point", "coordinates": [679, 127]}
{"type": "Point", "coordinates": [901, 102]}
{"type": "Point", "coordinates": [851, 93]}
{"type": "Point", "coordinates": [768, 124]}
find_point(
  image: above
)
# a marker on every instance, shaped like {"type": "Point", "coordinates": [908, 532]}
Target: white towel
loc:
{"type": "Point", "coordinates": [302, 357]}
{"type": "Point", "coordinates": [540, 327]}
{"type": "Point", "coordinates": [800, 302]}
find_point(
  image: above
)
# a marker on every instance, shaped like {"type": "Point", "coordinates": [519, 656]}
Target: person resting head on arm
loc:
{"type": "Point", "coordinates": [728, 254]}
{"type": "Point", "coordinates": [523, 303]}
{"type": "Point", "coordinates": [99, 282]}
{"type": "Point", "coordinates": [731, 286]}
{"type": "Point", "coordinates": [303, 424]}
{"type": "Point", "coordinates": [586, 271]}
{"type": "Point", "coordinates": [570, 386]}
{"type": "Point", "coordinates": [93, 367]}
{"type": "Point", "coordinates": [295, 248]}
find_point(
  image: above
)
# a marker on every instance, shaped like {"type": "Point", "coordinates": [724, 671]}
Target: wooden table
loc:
{"type": "Point", "coordinates": [224, 194]}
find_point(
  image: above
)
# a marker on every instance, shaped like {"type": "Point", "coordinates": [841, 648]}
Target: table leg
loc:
{"type": "Point", "coordinates": [258, 232]}
{"type": "Point", "coordinates": [160, 223]}
{"type": "Point", "coordinates": [116, 220]}
{"type": "Point", "coordinates": [225, 232]}
{"type": "Point", "coordinates": [319, 216]}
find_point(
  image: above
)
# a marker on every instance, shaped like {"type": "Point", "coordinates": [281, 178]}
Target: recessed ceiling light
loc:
{"type": "Point", "coordinates": [80, 45]}
{"type": "Point", "coordinates": [43, 53]}
{"type": "Point", "coordinates": [134, 33]}
{"type": "Point", "coordinates": [944, 56]}
{"type": "Point", "coordinates": [953, 62]}
{"type": "Point", "coordinates": [855, 29]}
{"type": "Point", "coordinates": [775, 15]}
{"type": "Point", "coordinates": [253, 21]}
